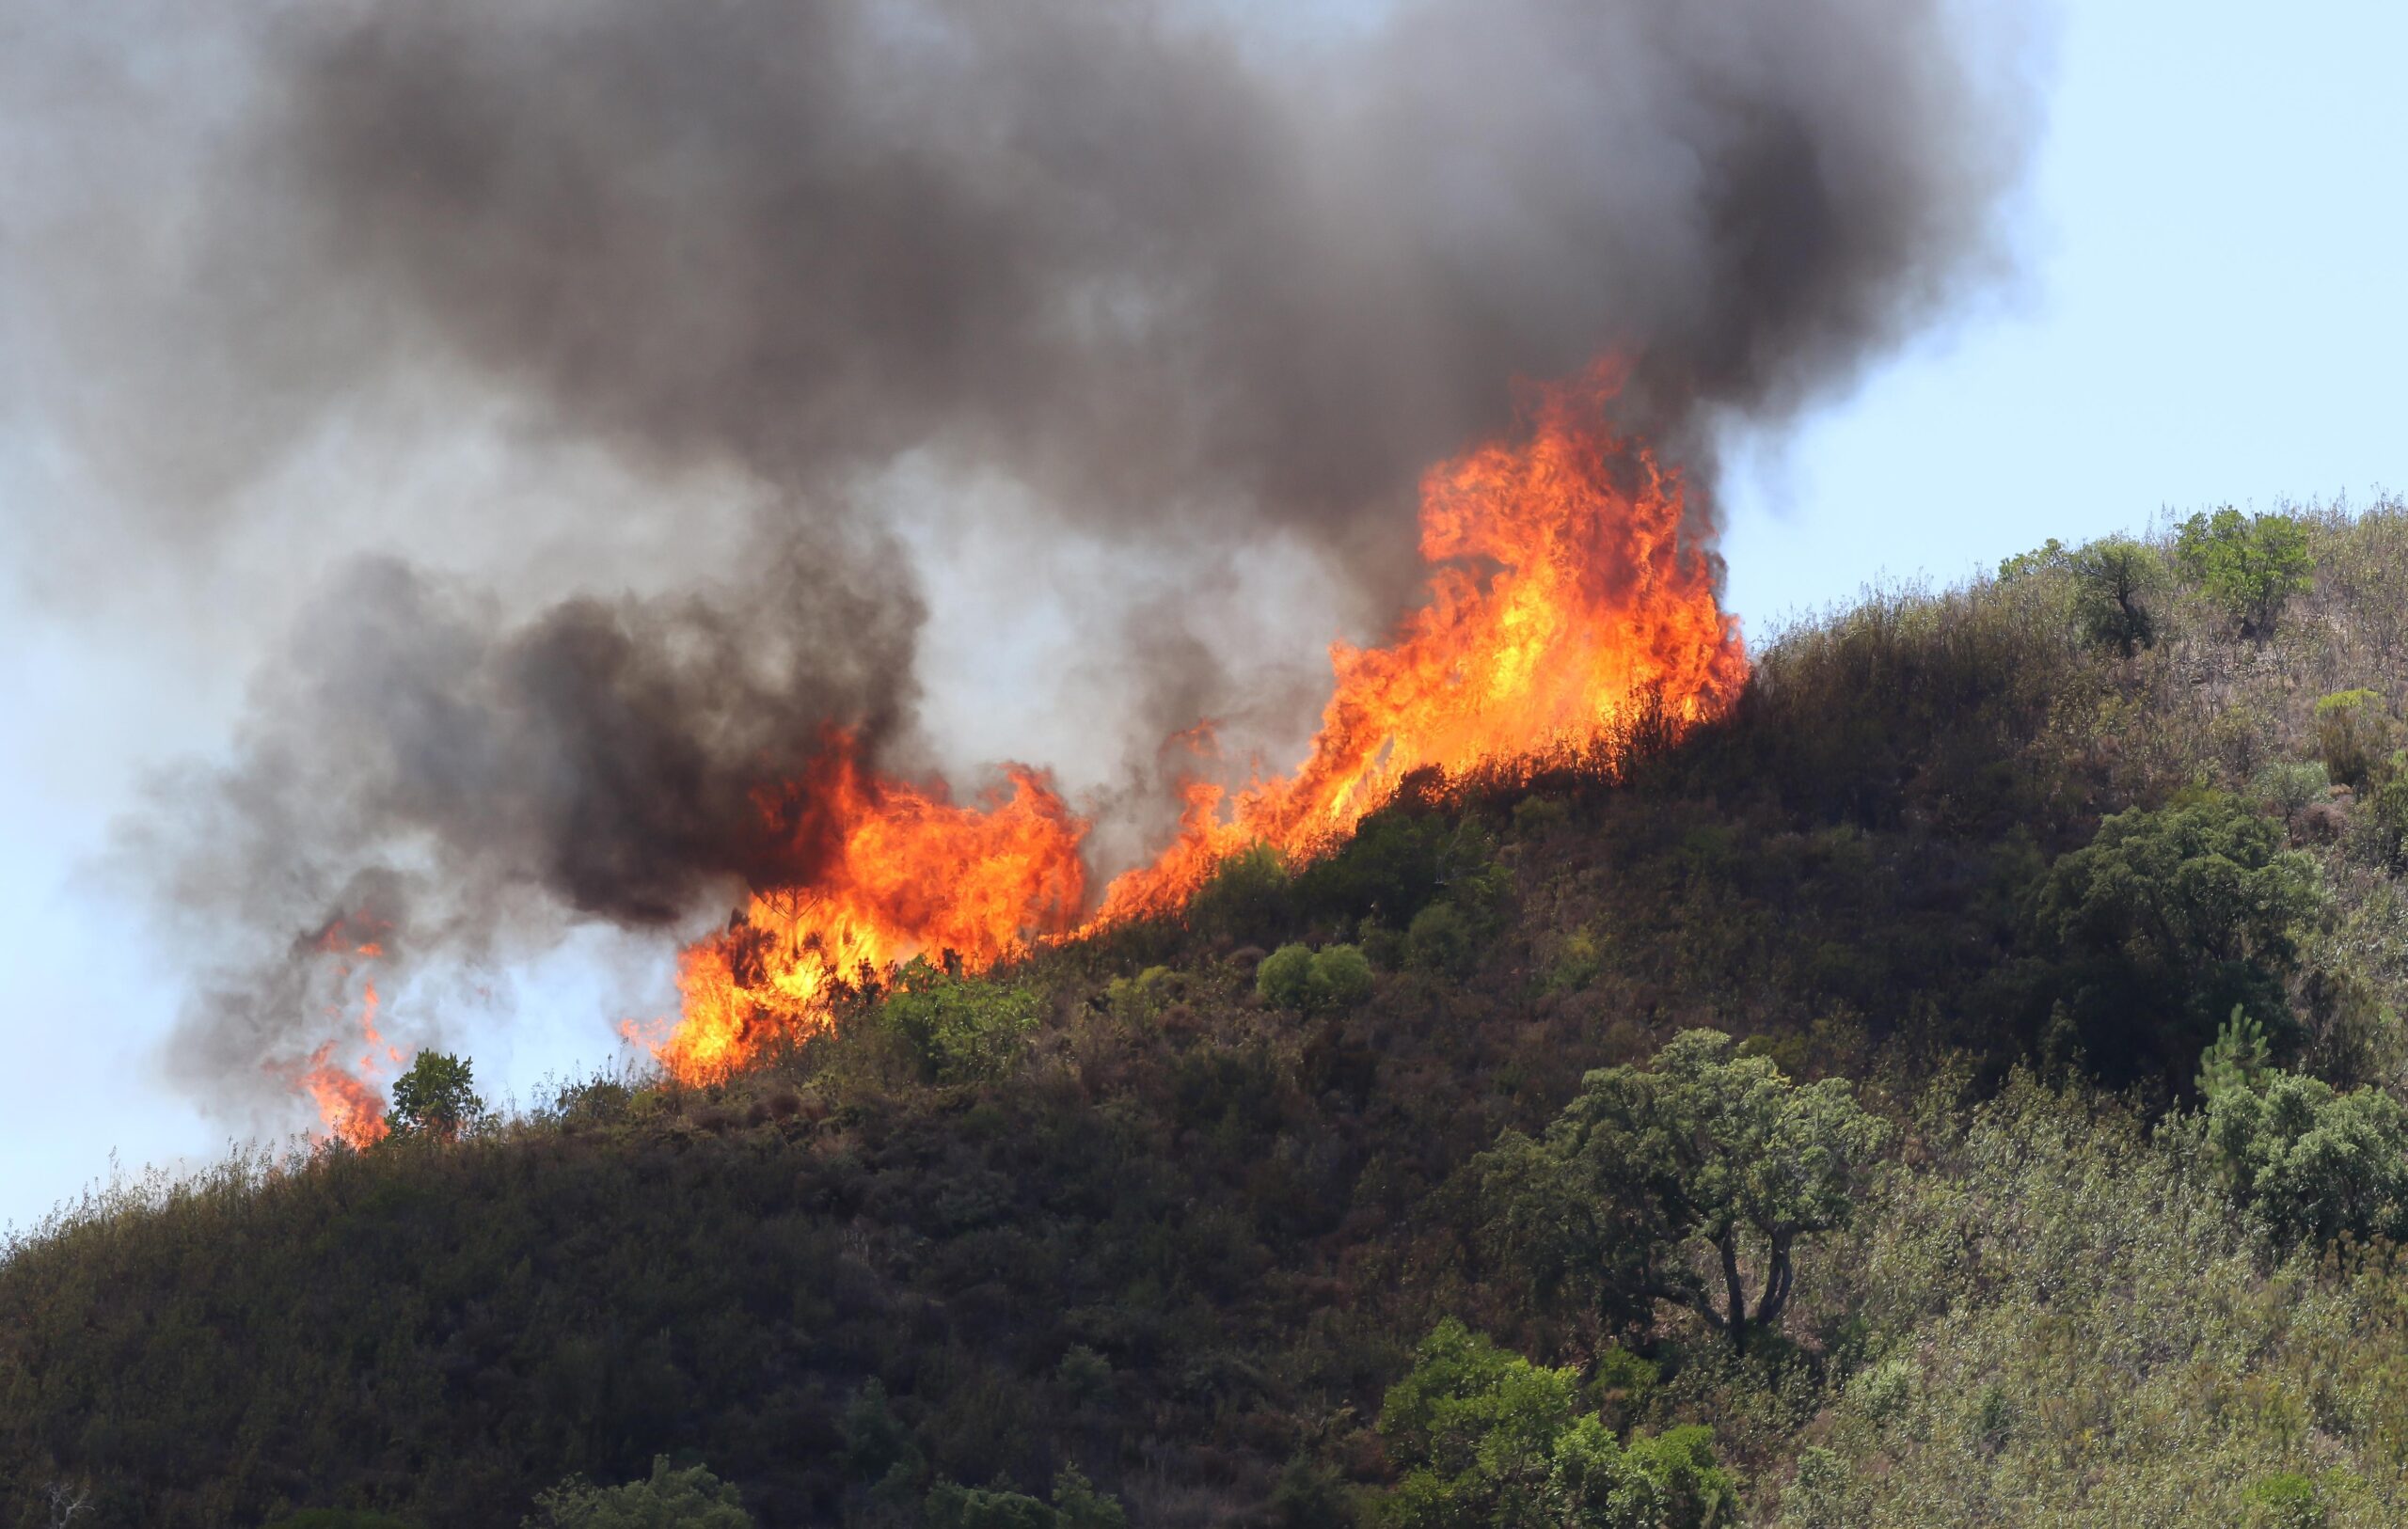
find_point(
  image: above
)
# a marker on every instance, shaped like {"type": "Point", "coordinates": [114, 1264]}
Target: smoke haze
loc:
{"type": "Point", "coordinates": [1177, 279]}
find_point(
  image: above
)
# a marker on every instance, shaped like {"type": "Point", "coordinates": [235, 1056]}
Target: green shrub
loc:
{"type": "Point", "coordinates": [2353, 735]}
{"type": "Point", "coordinates": [1076, 1505]}
{"type": "Point", "coordinates": [2283, 1501]}
{"type": "Point", "coordinates": [1476, 1428]}
{"type": "Point", "coordinates": [1141, 999]}
{"type": "Point", "coordinates": [953, 1507]}
{"type": "Point", "coordinates": [2385, 818]}
{"type": "Point", "coordinates": [2313, 1164]}
{"type": "Point", "coordinates": [1883, 1390]}
{"type": "Point", "coordinates": [1311, 1495]}
{"type": "Point", "coordinates": [1394, 864]}
{"type": "Point", "coordinates": [689, 1499]}
{"type": "Point", "coordinates": [2292, 788]}
{"type": "Point", "coordinates": [1084, 1374]}
{"type": "Point", "coordinates": [1441, 940]}
{"type": "Point", "coordinates": [1285, 978]}
{"type": "Point", "coordinates": [959, 1029]}
{"type": "Point", "coordinates": [1488, 1437]}
{"type": "Point", "coordinates": [2237, 1059]}
{"type": "Point", "coordinates": [876, 1440]}
{"type": "Point", "coordinates": [1534, 815]}
{"type": "Point", "coordinates": [1341, 977]}
{"type": "Point", "coordinates": [1295, 977]}
{"type": "Point", "coordinates": [1249, 898]}
{"type": "Point", "coordinates": [338, 1518]}
{"type": "Point", "coordinates": [1817, 1495]}
{"type": "Point", "coordinates": [1577, 963]}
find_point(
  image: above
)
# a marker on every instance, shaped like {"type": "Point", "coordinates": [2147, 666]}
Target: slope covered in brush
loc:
{"type": "Point", "coordinates": [1207, 1220]}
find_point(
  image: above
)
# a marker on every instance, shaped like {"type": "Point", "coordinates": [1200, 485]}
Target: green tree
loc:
{"type": "Point", "coordinates": [2236, 1060]}
{"type": "Point", "coordinates": [2052, 554]}
{"type": "Point", "coordinates": [1078, 1506]}
{"type": "Point", "coordinates": [2165, 922]}
{"type": "Point", "coordinates": [2312, 1163]}
{"type": "Point", "coordinates": [2112, 579]}
{"type": "Point", "coordinates": [437, 1097]}
{"type": "Point", "coordinates": [1476, 1426]}
{"type": "Point", "coordinates": [1671, 1183]}
{"type": "Point", "coordinates": [2249, 565]}
{"type": "Point", "coordinates": [669, 1498]}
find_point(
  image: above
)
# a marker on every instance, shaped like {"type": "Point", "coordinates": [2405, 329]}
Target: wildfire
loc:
{"type": "Point", "coordinates": [1562, 598]}
{"type": "Point", "coordinates": [350, 1108]}
{"type": "Point", "coordinates": [900, 869]}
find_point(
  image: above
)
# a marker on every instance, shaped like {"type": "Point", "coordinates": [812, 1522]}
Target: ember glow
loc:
{"type": "Point", "coordinates": [1563, 597]}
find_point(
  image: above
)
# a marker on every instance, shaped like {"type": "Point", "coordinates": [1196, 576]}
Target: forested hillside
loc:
{"type": "Point", "coordinates": [1961, 1086]}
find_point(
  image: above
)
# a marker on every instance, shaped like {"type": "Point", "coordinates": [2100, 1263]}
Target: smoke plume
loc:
{"type": "Point", "coordinates": [1178, 274]}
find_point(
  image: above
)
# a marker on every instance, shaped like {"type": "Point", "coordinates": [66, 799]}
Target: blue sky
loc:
{"type": "Point", "coordinates": [2213, 310]}
{"type": "Point", "coordinates": [2209, 310]}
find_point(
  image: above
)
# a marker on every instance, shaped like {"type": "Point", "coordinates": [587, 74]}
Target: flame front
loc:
{"type": "Point", "coordinates": [1563, 597]}
{"type": "Point", "coordinates": [902, 871]}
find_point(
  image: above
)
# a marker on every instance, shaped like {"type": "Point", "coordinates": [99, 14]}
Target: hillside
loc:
{"type": "Point", "coordinates": [1990, 868]}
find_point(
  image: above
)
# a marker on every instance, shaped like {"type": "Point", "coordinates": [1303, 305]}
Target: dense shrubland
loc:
{"type": "Point", "coordinates": [1963, 1086]}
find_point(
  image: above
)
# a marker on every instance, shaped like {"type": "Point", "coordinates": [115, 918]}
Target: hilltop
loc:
{"type": "Point", "coordinates": [2056, 923]}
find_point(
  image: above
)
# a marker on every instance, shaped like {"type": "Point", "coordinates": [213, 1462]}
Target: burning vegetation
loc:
{"type": "Point", "coordinates": [1565, 593]}
{"type": "Point", "coordinates": [737, 328]}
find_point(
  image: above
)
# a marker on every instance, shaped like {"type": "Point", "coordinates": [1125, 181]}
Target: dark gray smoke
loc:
{"type": "Point", "coordinates": [1165, 269]}
{"type": "Point", "coordinates": [1108, 247]}
{"type": "Point", "coordinates": [423, 772]}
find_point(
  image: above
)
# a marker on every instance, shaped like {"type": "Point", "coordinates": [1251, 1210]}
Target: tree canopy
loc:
{"type": "Point", "coordinates": [1675, 1182]}
{"type": "Point", "coordinates": [2161, 924]}
{"type": "Point", "coordinates": [437, 1097]}
{"type": "Point", "coordinates": [2249, 565]}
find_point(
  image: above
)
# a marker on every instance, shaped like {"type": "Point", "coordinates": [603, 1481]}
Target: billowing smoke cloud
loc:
{"type": "Point", "coordinates": [1165, 269]}
{"type": "Point", "coordinates": [422, 772]}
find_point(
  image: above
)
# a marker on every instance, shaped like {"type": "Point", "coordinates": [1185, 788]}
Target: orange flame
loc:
{"type": "Point", "coordinates": [1563, 599]}
{"type": "Point", "coordinates": [903, 870]}
{"type": "Point", "coordinates": [350, 1109]}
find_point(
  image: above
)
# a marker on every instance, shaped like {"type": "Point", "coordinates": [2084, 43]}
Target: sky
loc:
{"type": "Point", "coordinates": [2208, 309]}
